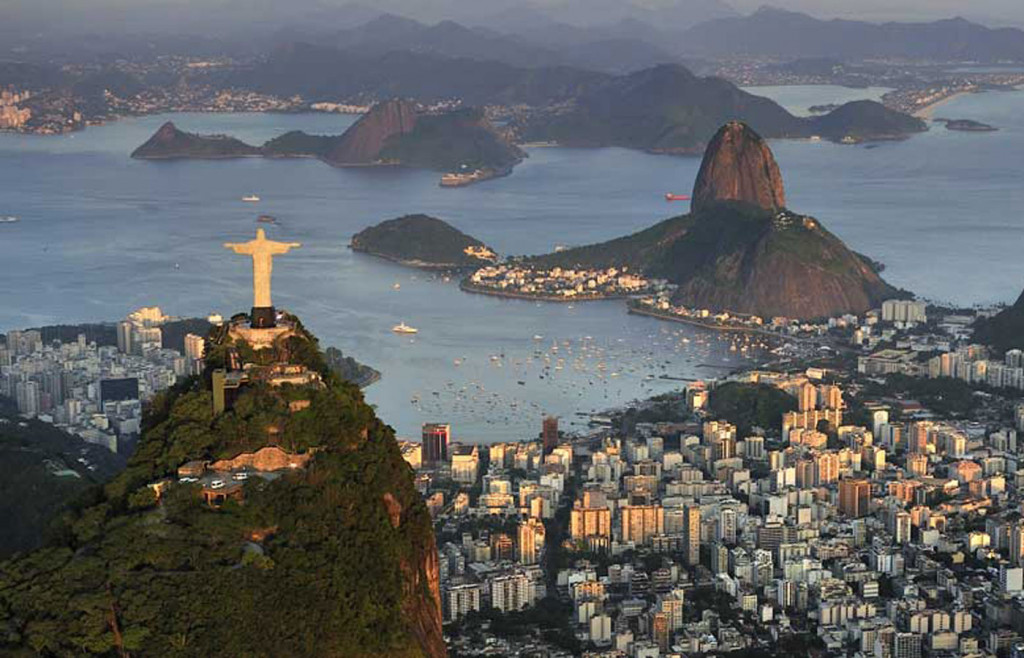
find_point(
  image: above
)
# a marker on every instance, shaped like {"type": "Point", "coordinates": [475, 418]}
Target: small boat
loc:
{"type": "Point", "coordinates": [538, 337]}
{"type": "Point", "coordinates": [251, 198]}
{"type": "Point", "coordinates": [403, 328]}
{"type": "Point", "coordinates": [265, 219]}
{"type": "Point", "coordinates": [9, 219]}
{"type": "Point", "coordinates": [397, 286]}
{"type": "Point", "coordinates": [677, 197]}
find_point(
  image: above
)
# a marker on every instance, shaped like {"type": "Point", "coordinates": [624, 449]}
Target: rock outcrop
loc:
{"type": "Point", "coordinates": [741, 250]}
{"type": "Point", "coordinates": [362, 143]}
{"type": "Point", "coordinates": [738, 166]}
{"type": "Point", "coordinates": [270, 458]}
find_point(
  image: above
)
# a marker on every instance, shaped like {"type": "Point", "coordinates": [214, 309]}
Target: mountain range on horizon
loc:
{"type": "Point", "coordinates": [528, 38]}
{"type": "Point", "coordinates": [606, 35]}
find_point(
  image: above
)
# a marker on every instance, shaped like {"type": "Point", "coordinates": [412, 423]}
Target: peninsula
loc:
{"type": "Point", "coordinates": [668, 109]}
{"type": "Point", "coordinates": [423, 241]}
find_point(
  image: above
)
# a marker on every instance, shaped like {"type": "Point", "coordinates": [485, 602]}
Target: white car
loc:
{"type": "Point", "coordinates": [187, 479]}
{"type": "Point", "coordinates": [217, 484]}
{"type": "Point", "coordinates": [240, 476]}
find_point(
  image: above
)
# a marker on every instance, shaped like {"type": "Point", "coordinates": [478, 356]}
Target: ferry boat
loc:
{"type": "Point", "coordinates": [403, 328]}
{"type": "Point", "coordinates": [251, 198]}
{"type": "Point", "coordinates": [9, 219]}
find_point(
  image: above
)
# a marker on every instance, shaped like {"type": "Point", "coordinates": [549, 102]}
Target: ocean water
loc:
{"type": "Point", "coordinates": [798, 99]}
{"type": "Point", "coordinates": [101, 234]}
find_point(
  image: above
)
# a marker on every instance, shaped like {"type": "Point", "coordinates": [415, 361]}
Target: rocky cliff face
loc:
{"type": "Point", "coordinates": [741, 250]}
{"type": "Point", "coordinates": [785, 265]}
{"type": "Point", "coordinates": [747, 254]}
{"type": "Point", "coordinates": [421, 603]}
{"type": "Point", "coordinates": [362, 143]}
{"type": "Point", "coordinates": [738, 166]}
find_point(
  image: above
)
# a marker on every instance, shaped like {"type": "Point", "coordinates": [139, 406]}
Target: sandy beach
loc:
{"type": "Point", "coordinates": [928, 111]}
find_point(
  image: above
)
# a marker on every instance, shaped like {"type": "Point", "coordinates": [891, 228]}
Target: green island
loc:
{"type": "Point", "coordinates": [422, 241]}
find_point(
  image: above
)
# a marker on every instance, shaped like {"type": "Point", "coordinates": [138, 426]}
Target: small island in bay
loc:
{"type": "Point", "coordinates": [824, 108]}
{"type": "Point", "coordinates": [462, 144]}
{"type": "Point", "coordinates": [170, 143]}
{"type": "Point", "coordinates": [967, 125]}
{"type": "Point", "coordinates": [423, 241]}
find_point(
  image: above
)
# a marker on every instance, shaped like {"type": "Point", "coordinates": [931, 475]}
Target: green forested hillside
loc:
{"type": "Point", "coordinates": [335, 559]}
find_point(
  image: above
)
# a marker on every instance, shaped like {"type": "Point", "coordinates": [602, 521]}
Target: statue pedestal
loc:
{"type": "Point", "coordinates": [263, 317]}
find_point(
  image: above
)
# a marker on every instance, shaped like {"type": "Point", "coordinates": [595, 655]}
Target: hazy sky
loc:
{"type": "Point", "coordinates": [990, 12]}
{"type": "Point", "coordinates": [1010, 12]}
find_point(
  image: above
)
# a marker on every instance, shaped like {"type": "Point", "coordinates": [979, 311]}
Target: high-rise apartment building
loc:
{"type": "Point", "coordinates": [640, 523]}
{"type": "Point", "coordinates": [436, 437]}
{"type": "Point", "coordinates": [195, 347]}
{"type": "Point", "coordinates": [549, 433]}
{"type": "Point", "coordinates": [531, 541]}
{"type": "Point", "coordinates": [587, 522]}
{"type": "Point", "coordinates": [460, 600]}
{"type": "Point", "coordinates": [727, 526]}
{"type": "Point", "coordinates": [691, 535]}
{"type": "Point", "coordinates": [511, 592]}
{"type": "Point", "coordinates": [854, 497]}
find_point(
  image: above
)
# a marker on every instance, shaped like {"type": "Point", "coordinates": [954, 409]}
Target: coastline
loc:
{"type": "Point", "coordinates": [465, 286]}
{"type": "Point", "coordinates": [417, 264]}
{"type": "Point", "coordinates": [634, 310]}
{"type": "Point", "coordinates": [927, 111]}
{"type": "Point", "coordinates": [489, 174]}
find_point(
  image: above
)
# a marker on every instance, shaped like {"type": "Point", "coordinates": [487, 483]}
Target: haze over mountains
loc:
{"type": "Point", "coordinates": [610, 35]}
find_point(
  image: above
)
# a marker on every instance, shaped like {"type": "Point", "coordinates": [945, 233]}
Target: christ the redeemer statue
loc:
{"type": "Point", "coordinates": [262, 251]}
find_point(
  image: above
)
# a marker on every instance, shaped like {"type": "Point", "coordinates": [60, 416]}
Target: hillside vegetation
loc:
{"type": "Point", "coordinates": [336, 559]}
{"type": "Point", "coordinates": [419, 240]}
